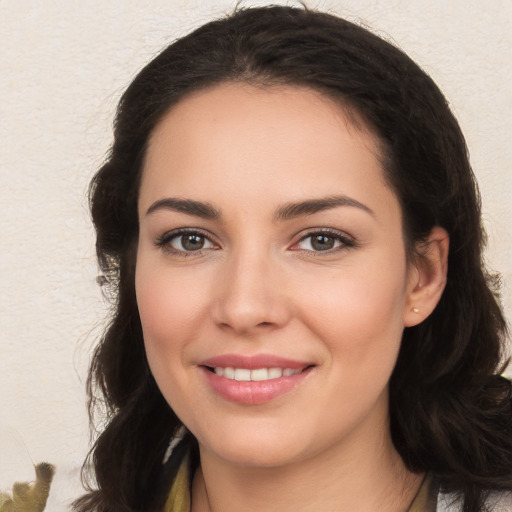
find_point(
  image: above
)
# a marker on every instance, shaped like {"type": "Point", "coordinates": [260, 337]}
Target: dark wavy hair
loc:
{"type": "Point", "coordinates": [451, 412]}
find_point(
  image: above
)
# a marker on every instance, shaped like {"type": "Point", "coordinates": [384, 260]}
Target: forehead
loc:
{"type": "Point", "coordinates": [260, 142]}
{"type": "Point", "coordinates": [264, 107]}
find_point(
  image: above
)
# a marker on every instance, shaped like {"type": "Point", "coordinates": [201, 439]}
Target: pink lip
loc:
{"type": "Point", "coordinates": [253, 362]}
{"type": "Point", "coordinates": [253, 392]}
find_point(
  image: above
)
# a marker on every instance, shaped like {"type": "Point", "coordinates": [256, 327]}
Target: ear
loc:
{"type": "Point", "coordinates": [427, 276]}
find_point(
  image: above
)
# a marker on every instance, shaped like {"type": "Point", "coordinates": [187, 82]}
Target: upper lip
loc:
{"type": "Point", "coordinates": [253, 362]}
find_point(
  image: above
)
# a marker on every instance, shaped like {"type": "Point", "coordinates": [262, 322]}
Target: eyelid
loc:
{"type": "Point", "coordinates": [163, 241]}
{"type": "Point", "coordinates": [347, 241]}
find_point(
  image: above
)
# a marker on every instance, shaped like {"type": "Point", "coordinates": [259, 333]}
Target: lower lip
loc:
{"type": "Point", "coordinates": [253, 392]}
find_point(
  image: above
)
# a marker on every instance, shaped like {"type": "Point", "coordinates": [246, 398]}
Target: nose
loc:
{"type": "Point", "coordinates": [251, 297]}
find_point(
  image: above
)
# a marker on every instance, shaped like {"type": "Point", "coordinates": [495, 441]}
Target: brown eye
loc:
{"type": "Point", "coordinates": [187, 242]}
{"type": "Point", "coordinates": [192, 242]}
{"type": "Point", "coordinates": [322, 242]}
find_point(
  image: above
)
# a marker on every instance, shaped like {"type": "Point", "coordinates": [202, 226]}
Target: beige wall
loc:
{"type": "Point", "coordinates": [63, 65]}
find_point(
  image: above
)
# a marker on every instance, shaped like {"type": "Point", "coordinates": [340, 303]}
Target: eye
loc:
{"type": "Point", "coordinates": [323, 241]}
{"type": "Point", "coordinates": [181, 241]}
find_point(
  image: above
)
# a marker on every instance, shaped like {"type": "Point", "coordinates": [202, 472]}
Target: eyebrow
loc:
{"type": "Point", "coordinates": [188, 206]}
{"type": "Point", "coordinates": [293, 210]}
{"type": "Point", "coordinates": [285, 212]}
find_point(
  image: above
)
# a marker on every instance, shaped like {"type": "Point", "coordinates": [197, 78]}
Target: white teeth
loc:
{"type": "Point", "coordinates": [258, 374]}
{"type": "Point", "coordinates": [242, 374]}
{"type": "Point", "coordinates": [229, 373]}
{"type": "Point", "coordinates": [275, 373]}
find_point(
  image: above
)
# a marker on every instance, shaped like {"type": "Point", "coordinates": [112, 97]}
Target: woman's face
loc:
{"type": "Point", "coordinates": [270, 252]}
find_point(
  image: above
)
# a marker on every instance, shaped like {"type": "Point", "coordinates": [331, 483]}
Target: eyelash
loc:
{"type": "Point", "coordinates": [345, 241]}
{"type": "Point", "coordinates": [164, 242]}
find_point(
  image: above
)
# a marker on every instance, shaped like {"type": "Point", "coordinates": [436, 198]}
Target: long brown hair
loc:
{"type": "Point", "coordinates": [451, 412]}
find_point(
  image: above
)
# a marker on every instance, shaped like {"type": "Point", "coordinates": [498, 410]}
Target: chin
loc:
{"type": "Point", "coordinates": [268, 456]}
{"type": "Point", "coordinates": [264, 450]}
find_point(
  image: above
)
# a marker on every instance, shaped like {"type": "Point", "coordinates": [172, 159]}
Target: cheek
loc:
{"type": "Point", "coordinates": [169, 310]}
{"type": "Point", "coordinates": [359, 315]}
{"type": "Point", "coordinates": [363, 299]}
{"type": "Point", "coordinates": [360, 324]}
{"type": "Point", "coordinates": [170, 305]}
{"type": "Point", "coordinates": [167, 318]}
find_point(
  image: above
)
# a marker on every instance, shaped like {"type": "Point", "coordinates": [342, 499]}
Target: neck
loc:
{"type": "Point", "coordinates": [344, 478]}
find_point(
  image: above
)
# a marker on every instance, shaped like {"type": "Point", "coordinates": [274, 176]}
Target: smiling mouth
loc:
{"type": "Point", "coordinates": [256, 374]}
{"type": "Point", "coordinates": [249, 381]}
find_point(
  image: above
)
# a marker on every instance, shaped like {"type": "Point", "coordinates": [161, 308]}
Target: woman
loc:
{"type": "Point", "coordinates": [292, 231]}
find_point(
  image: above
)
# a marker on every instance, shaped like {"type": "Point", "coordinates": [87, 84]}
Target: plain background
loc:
{"type": "Point", "coordinates": [63, 66]}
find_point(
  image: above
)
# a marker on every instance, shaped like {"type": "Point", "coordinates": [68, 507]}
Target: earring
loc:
{"type": "Point", "coordinates": [415, 310]}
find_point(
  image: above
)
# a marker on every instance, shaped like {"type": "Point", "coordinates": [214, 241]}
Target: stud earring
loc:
{"type": "Point", "coordinates": [415, 310]}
